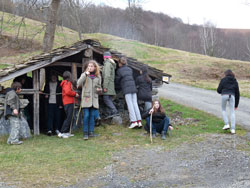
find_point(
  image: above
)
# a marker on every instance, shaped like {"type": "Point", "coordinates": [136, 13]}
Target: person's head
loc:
{"type": "Point", "coordinates": [53, 78]}
{"type": "Point", "coordinates": [144, 72]}
{"type": "Point", "coordinates": [123, 61]}
{"type": "Point", "coordinates": [106, 55]}
{"type": "Point", "coordinates": [93, 67]}
{"type": "Point", "coordinates": [67, 75]}
{"type": "Point", "coordinates": [16, 86]}
{"type": "Point", "coordinates": [157, 106]}
{"type": "Point", "coordinates": [229, 73]}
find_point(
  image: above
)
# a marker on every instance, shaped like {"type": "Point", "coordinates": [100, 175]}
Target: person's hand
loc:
{"type": "Point", "coordinates": [15, 112]}
{"type": "Point", "coordinates": [98, 89]}
{"type": "Point", "coordinates": [46, 96]}
{"type": "Point", "coordinates": [151, 111]}
{"type": "Point", "coordinates": [87, 72]}
{"type": "Point", "coordinates": [236, 108]}
{"type": "Point", "coordinates": [105, 90]}
{"type": "Point", "coordinates": [60, 107]}
{"type": "Point", "coordinates": [77, 95]}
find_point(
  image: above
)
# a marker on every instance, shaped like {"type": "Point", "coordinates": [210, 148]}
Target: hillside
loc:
{"type": "Point", "coordinates": [185, 67]}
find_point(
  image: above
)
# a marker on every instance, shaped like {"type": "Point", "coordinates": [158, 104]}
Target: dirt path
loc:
{"type": "Point", "coordinates": [218, 161]}
{"type": "Point", "coordinates": [205, 100]}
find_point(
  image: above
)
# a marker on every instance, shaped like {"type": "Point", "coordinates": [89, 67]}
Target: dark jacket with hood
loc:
{"type": "Point", "coordinates": [12, 102]}
{"type": "Point", "coordinates": [144, 88]}
{"type": "Point", "coordinates": [157, 116]}
{"type": "Point", "coordinates": [58, 96]}
{"type": "Point", "coordinates": [229, 85]}
{"type": "Point", "coordinates": [124, 78]}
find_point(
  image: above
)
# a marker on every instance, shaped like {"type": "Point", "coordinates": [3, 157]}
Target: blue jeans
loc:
{"type": "Point", "coordinates": [89, 119]}
{"type": "Point", "coordinates": [157, 127]}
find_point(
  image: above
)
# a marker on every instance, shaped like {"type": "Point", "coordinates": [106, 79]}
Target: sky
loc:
{"type": "Point", "coordinates": [222, 13]}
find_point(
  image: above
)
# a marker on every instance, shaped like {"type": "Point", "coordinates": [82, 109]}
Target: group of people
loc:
{"type": "Point", "coordinates": [63, 95]}
{"type": "Point", "coordinates": [93, 84]}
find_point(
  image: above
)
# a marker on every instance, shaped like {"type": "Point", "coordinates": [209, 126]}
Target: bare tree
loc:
{"type": "Point", "coordinates": [208, 38]}
{"type": "Point", "coordinates": [49, 35]}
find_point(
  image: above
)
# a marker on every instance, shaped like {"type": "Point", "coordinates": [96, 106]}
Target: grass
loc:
{"type": "Point", "coordinates": [2, 66]}
{"type": "Point", "coordinates": [43, 161]}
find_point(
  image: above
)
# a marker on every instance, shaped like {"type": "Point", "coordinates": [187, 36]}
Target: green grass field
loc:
{"type": "Point", "coordinates": [43, 161]}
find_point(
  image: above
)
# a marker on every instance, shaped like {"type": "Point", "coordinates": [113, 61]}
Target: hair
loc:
{"type": "Point", "coordinates": [67, 76]}
{"type": "Point", "coordinates": [145, 75]}
{"type": "Point", "coordinates": [123, 61]}
{"type": "Point", "coordinates": [229, 72]}
{"type": "Point", "coordinates": [97, 68]}
{"type": "Point", "coordinates": [160, 107]}
{"type": "Point", "coordinates": [16, 85]}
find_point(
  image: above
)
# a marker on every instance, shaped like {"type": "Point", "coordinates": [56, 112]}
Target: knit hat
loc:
{"type": "Point", "coordinates": [107, 54]}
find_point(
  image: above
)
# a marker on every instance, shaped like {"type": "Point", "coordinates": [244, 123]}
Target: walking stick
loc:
{"type": "Point", "coordinates": [151, 138]}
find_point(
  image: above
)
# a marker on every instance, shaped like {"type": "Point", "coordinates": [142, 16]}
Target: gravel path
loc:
{"type": "Point", "coordinates": [218, 161]}
{"type": "Point", "coordinates": [205, 100]}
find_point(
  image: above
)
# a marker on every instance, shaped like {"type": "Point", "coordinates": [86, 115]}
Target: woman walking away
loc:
{"type": "Point", "coordinates": [90, 81]}
{"type": "Point", "coordinates": [229, 90]}
{"type": "Point", "coordinates": [125, 79]}
{"type": "Point", "coordinates": [160, 122]}
{"type": "Point", "coordinates": [144, 85]}
{"type": "Point", "coordinates": [68, 97]}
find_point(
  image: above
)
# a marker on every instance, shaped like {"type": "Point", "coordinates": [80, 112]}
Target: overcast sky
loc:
{"type": "Point", "coordinates": [223, 13]}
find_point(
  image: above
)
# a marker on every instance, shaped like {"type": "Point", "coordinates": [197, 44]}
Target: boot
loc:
{"type": "Point", "coordinates": [163, 135]}
{"type": "Point", "coordinates": [92, 134]}
{"type": "Point", "coordinates": [85, 136]}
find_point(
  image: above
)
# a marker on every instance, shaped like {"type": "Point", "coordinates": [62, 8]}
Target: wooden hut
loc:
{"type": "Point", "coordinates": [70, 58]}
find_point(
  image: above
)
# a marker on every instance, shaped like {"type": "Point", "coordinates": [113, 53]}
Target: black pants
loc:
{"type": "Point", "coordinates": [54, 117]}
{"type": "Point", "coordinates": [69, 108]}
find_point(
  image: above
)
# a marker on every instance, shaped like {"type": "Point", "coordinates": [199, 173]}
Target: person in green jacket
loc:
{"type": "Point", "coordinates": [108, 74]}
{"type": "Point", "coordinates": [12, 112]}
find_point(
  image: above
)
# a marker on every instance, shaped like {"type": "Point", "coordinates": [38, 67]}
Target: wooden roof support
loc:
{"type": "Point", "coordinates": [35, 75]}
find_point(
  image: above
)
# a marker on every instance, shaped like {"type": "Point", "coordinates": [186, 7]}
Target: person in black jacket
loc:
{"type": "Point", "coordinates": [144, 85]}
{"type": "Point", "coordinates": [160, 122]}
{"type": "Point", "coordinates": [124, 78]}
{"type": "Point", "coordinates": [53, 95]}
{"type": "Point", "coordinates": [229, 90]}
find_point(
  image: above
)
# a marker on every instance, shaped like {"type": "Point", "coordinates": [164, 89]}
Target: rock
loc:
{"type": "Point", "coordinates": [117, 120]}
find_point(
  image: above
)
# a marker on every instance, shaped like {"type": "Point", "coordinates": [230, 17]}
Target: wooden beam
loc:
{"type": "Point", "coordinates": [28, 91]}
{"type": "Point", "coordinates": [35, 75]}
{"type": "Point", "coordinates": [74, 71]}
{"type": "Point", "coordinates": [64, 64]}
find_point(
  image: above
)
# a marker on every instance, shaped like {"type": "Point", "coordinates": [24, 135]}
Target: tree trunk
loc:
{"type": "Point", "coordinates": [49, 35]}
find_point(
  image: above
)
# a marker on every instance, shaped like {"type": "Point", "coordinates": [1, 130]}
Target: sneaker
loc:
{"type": "Point", "coordinates": [232, 131]}
{"type": "Point", "coordinates": [16, 143]}
{"type": "Point", "coordinates": [226, 127]}
{"type": "Point", "coordinates": [60, 135]}
{"type": "Point", "coordinates": [57, 132]}
{"type": "Point", "coordinates": [85, 137]}
{"type": "Point", "coordinates": [139, 124]}
{"type": "Point", "coordinates": [133, 125]}
{"type": "Point", "coordinates": [92, 134]}
{"type": "Point", "coordinates": [65, 136]}
{"type": "Point", "coordinates": [68, 134]}
{"type": "Point", "coordinates": [49, 133]}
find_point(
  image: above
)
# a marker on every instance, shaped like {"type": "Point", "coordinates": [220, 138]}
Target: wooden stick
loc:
{"type": "Point", "coordinates": [151, 137]}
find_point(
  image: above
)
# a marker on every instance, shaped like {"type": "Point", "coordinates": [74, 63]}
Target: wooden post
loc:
{"type": "Point", "coordinates": [74, 71]}
{"type": "Point", "coordinates": [35, 75]}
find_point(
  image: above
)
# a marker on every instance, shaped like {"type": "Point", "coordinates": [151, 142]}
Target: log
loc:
{"type": "Point", "coordinates": [35, 75]}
